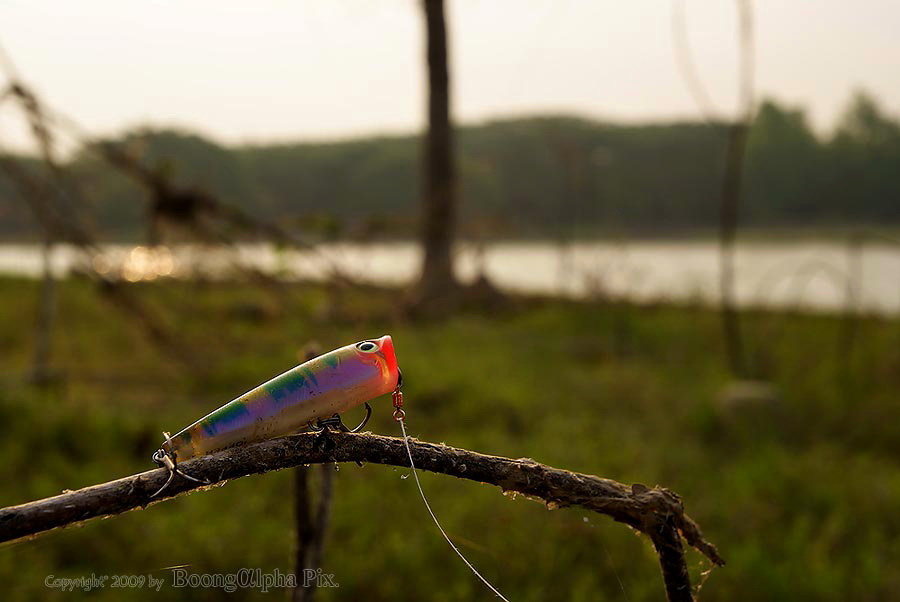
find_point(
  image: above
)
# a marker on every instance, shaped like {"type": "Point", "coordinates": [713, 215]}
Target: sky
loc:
{"type": "Point", "coordinates": [280, 70]}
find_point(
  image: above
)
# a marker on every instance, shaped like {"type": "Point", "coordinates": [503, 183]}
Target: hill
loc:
{"type": "Point", "coordinates": [530, 177]}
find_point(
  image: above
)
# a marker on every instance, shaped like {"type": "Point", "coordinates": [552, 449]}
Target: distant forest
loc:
{"type": "Point", "coordinates": [528, 177]}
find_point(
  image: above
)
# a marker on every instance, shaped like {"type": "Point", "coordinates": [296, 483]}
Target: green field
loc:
{"type": "Point", "coordinates": [801, 496]}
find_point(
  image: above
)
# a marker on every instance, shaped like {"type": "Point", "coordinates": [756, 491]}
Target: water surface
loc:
{"type": "Point", "coordinates": [812, 275]}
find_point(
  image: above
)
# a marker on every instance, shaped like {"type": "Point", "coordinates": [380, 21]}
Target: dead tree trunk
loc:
{"type": "Point", "coordinates": [42, 370]}
{"type": "Point", "coordinates": [735, 147]}
{"type": "Point", "coordinates": [729, 214]}
{"type": "Point", "coordinates": [311, 525]}
{"type": "Point", "coordinates": [440, 185]}
{"type": "Point", "coordinates": [311, 519]}
{"type": "Point", "coordinates": [730, 200]}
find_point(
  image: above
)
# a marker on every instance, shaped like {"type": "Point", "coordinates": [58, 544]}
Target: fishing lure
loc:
{"type": "Point", "coordinates": [311, 395]}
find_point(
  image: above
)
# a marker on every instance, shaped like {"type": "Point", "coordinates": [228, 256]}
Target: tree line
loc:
{"type": "Point", "coordinates": [530, 177]}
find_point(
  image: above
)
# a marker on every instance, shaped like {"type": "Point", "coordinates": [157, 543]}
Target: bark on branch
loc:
{"type": "Point", "coordinates": [657, 512]}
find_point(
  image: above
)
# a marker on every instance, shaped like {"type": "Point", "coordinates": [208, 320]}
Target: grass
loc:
{"type": "Point", "coordinates": [801, 496]}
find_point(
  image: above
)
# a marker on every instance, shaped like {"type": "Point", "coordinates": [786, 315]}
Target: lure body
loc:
{"type": "Point", "coordinates": [319, 388]}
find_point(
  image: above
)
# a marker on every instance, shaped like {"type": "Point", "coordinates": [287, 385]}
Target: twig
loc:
{"type": "Point", "coordinates": [671, 560]}
{"type": "Point", "coordinates": [55, 202]}
{"type": "Point", "coordinates": [657, 512]}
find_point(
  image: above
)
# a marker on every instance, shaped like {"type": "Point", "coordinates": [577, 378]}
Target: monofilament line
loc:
{"type": "Point", "coordinates": [434, 518]}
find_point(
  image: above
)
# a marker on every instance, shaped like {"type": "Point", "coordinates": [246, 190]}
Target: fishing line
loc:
{"type": "Point", "coordinates": [434, 518]}
{"type": "Point", "coordinates": [615, 570]}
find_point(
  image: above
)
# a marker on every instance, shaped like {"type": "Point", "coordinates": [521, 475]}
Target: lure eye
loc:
{"type": "Point", "coordinates": [367, 347]}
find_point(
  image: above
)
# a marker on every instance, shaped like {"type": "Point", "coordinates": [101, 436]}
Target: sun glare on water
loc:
{"type": "Point", "coordinates": [139, 263]}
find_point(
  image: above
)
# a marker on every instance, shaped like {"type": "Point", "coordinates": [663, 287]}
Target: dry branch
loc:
{"type": "Point", "coordinates": [656, 512]}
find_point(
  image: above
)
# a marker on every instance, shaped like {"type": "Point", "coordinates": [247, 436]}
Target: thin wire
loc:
{"type": "Point", "coordinates": [434, 518]}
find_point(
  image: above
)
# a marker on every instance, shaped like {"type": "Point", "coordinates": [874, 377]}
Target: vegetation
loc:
{"type": "Point", "coordinates": [800, 493]}
{"type": "Point", "coordinates": [544, 176]}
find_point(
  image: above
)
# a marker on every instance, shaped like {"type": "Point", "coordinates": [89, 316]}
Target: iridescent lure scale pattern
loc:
{"type": "Point", "coordinates": [326, 385]}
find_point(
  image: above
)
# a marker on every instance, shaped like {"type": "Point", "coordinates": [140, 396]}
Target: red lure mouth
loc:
{"type": "Point", "coordinates": [386, 346]}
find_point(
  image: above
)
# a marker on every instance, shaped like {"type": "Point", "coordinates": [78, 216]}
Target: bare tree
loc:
{"type": "Point", "coordinates": [311, 516]}
{"type": "Point", "coordinates": [735, 149]}
{"type": "Point", "coordinates": [440, 182]}
{"type": "Point", "coordinates": [729, 212]}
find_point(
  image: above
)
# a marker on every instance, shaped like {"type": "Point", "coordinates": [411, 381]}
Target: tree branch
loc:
{"type": "Point", "coordinates": [657, 512]}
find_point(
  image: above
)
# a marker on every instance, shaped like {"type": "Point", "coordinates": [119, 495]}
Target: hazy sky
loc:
{"type": "Point", "coordinates": [265, 69]}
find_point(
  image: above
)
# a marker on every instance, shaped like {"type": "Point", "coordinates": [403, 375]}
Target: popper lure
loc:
{"type": "Point", "coordinates": [311, 395]}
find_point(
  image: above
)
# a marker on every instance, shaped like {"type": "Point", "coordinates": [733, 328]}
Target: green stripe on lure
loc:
{"type": "Point", "coordinates": [312, 394]}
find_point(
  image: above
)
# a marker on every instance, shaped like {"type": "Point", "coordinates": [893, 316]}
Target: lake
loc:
{"type": "Point", "coordinates": [809, 275]}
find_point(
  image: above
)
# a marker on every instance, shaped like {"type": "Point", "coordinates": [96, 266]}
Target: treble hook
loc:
{"type": "Point", "coordinates": [336, 422]}
{"type": "Point", "coordinates": [167, 460]}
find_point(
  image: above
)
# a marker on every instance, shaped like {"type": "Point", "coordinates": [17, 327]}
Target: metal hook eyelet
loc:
{"type": "Point", "coordinates": [167, 460]}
